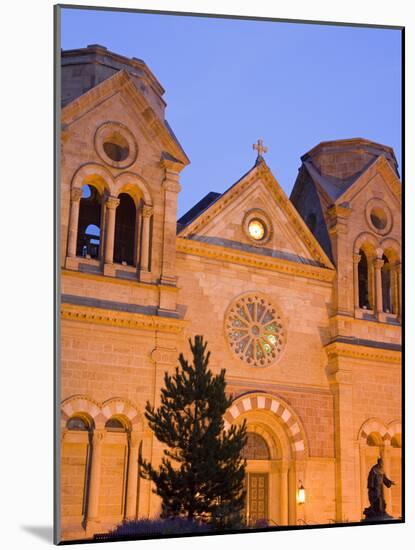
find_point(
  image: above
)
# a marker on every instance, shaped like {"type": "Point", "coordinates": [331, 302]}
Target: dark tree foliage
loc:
{"type": "Point", "coordinates": [201, 475]}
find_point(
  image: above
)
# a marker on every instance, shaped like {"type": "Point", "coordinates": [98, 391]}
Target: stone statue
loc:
{"type": "Point", "coordinates": [375, 482]}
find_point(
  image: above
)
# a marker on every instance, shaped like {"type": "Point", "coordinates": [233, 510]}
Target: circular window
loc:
{"type": "Point", "coordinates": [254, 330]}
{"type": "Point", "coordinates": [378, 216]}
{"type": "Point", "coordinates": [116, 145]}
{"type": "Point", "coordinates": [257, 227]}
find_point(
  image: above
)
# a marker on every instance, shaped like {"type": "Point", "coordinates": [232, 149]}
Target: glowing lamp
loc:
{"type": "Point", "coordinates": [301, 494]}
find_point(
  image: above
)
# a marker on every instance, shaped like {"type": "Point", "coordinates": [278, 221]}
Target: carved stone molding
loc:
{"type": "Point", "coordinates": [341, 349]}
{"type": "Point", "coordinates": [147, 211]}
{"type": "Point", "coordinates": [112, 202]}
{"type": "Point", "coordinates": [254, 260]}
{"type": "Point", "coordinates": [122, 319]}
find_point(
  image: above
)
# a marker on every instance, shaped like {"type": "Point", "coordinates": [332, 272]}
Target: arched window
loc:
{"type": "Point", "coordinates": [89, 223]}
{"type": "Point", "coordinates": [256, 448]}
{"type": "Point", "coordinates": [363, 278]}
{"type": "Point", "coordinates": [386, 285]}
{"type": "Point", "coordinates": [76, 465]}
{"type": "Point", "coordinates": [77, 423]}
{"type": "Point", "coordinates": [115, 425]}
{"type": "Point", "coordinates": [125, 224]}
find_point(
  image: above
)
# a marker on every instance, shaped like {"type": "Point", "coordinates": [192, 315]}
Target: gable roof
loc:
{"type": "Point", "coordinates": [335, 166]}
{"type": "Point", "coordinates": [261, 171]}
{"type": "Point", "coordinates": [122, 82]}
{"type": "Point", "coordinates": [197, 209]}
{"type": "Point", "coordinates": [382, 166]}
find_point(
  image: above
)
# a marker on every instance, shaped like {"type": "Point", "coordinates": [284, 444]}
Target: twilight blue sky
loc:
{"type": "Point", "coordinates": [229, 82]}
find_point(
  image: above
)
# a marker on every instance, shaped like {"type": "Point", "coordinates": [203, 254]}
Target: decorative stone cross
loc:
{"type": "Point", "coordinates": [260, 147]}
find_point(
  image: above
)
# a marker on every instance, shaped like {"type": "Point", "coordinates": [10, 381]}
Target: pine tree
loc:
{"type": "Point", "coordinates": [201, 475]}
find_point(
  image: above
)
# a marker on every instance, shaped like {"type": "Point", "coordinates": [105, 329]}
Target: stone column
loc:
{"type": "Point", "coordinates": [111, 204]}
{"type": "Point", "coordinates": [356, 260]}
{"type": "Point", "coordinates": [95, 476]}
{"type": "Point", "coordinates": [76, 195]}
{"type": "Point", "coordinates": [377, 264]}
{"type": "Point", "coordinates": [131, 509]}
{"type": "Point", "coordinates": [147, 212]}
{"type": "Point", "coordinates": [284, 494]}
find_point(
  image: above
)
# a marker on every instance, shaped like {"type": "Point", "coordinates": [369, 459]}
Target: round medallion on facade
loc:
{"type": "Point", "coordinates": [116, 145]}
{"type": "Point", "coordinates": [378, 216]}
{"type": "Point", "coordinates": [257, 226]}
{"type": "Point", "coordinates": [254, 330]}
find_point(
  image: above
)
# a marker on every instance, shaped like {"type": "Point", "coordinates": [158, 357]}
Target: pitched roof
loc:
{"type": "Point", "coordinates": [122, 81]}
{"type": "Point", "coordinates": [197, 209]}
{"type": "Point", "coordinates": [335, 166]}
{"type": "Point", "coordinates": [203, 216]}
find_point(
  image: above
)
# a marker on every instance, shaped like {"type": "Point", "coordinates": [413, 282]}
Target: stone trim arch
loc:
{"type": "Point", "coordinates": [394, 428]}
{"type": "Point", "coordinates": [129, 182]}
{"type": "Point", "coordinates": [389, 244]}
{"type": "Point", "coordinates": [291, 422]}
{"type": "Point", "coordinates": [117, 406]}
{"type": "Point", "coordinates": [365, 238]}
{"type": "Point", "coordinates": [101, 412]}
{"type": "Point", "coordinates": [112, 185]}
{"type": "Point", "coordinates": [93, 169]}
{"type": "Point", "coordinates": [80, 404]}
{"type": "Point", "coordinates": [376, 425]}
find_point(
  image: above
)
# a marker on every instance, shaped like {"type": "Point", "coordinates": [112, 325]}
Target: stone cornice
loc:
{"type": "Point", "coordinates": [221, 253]}
{"type": "Point", "coordinates": [338, 318]}
{"type": "Point", "coordinates": [116, 280]}
{"type": "Point", "coordinates": [348, 350]}
{"type": "Point", "coordinates": [121, 319]}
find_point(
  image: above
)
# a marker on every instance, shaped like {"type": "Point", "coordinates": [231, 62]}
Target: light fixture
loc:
{"type": "Point", "coordinates": [301, 493]}
{"type": "Point", "coordinates": [256, 229]}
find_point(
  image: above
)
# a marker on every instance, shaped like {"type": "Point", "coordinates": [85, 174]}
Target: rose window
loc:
{"type": "Point", "coordinates": [254, 330]}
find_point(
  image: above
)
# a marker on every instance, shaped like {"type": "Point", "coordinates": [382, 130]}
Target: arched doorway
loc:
{"type": "Point", "coordinates": [275, 454]}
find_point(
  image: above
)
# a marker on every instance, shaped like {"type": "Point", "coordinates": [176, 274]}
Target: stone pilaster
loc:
{"type": "Point", "coordinates": [341, 385]}
{"type": "Point", "coordinates": [387, 469]}
{"type": "Point", "coordinates": [284, 493]}
{"type": "Point", "coordinates": [338, 231]}
{"type": "Point", "coordinates": [76, 196]}
{"type": "Point", "coordinates": [398, 277]}
{"type": "Point", "coordinates": [171, 188]}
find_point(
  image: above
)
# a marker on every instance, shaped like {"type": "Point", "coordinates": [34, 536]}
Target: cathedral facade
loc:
{"type": "Point", "coordinates": [298, 298]}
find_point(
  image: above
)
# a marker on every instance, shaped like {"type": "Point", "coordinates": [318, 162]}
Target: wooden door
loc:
{"type": "Point", "coordinates": [257, 497]}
